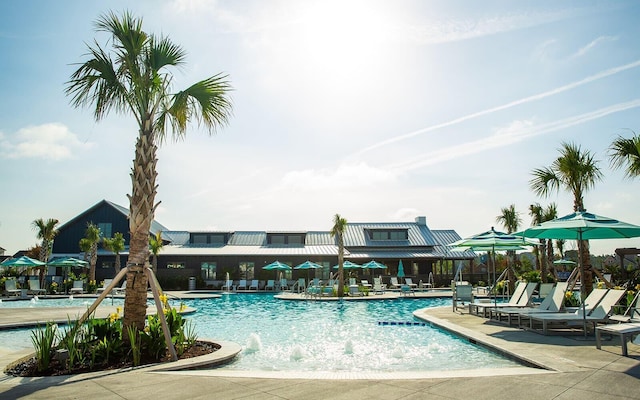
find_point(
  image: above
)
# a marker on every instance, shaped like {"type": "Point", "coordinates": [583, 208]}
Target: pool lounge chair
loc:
{"type": "Point", "coordinates": [378, 286]}
{"type": "Point", "coordinates": [34, 287]}
{"type": "Point", "coordinates": [10, 287]}
{"type": "Point", "coordinates": [394, 283]}
{"type": "Point", "coordinates": [624, 331]}
{"type": "Point", "coordinates": [462, 296]}
{"type": "Point", "coordinates": [597, 310]}
{"type": "Point", "coordinates": [242, 284]}
{"type": "Point", "coordinates": [552, 303]}
{"type": "Point", "coordinates": [544, 290]}
{"type": "Point", "coordinates": [254, 284]}
{"type": "Point", "coordinates": [365, 283]}
{"type": "Point", "coordinates": [284, 285]}
{"type": "Point", "coordinates": [520, 298]}
{"type": "Point", "coordinates": [105, 285]}
{"type": "Point", "coordinates": [78, 287]}
{"type": "Point", "coordinates": [122, 289]}
{"type": "Point", "coordinates": [271, 284]}
{"type": "Point", "coordinates": [409, 282]}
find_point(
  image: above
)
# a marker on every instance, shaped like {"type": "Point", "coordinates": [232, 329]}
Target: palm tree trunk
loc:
{"type": "Point", "coordinates": [586, 269]}
{"type": "Point", "coordinates": [142, 209]}
{"type": "Point", "coordinates": [117, 263]}
{"type": "Point", "coordinates": [340, 267]}
{"type": "Point", "coordinates": [93, 262]}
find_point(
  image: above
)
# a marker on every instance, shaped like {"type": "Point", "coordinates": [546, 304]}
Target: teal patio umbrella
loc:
{"type": "Point", "coordinates": [582, 225]}
{"type": "Point", "coordinates": [348, 265]}
{"type": "Point", "coordinates": [276, 266]}
{"type": "Point", "coordinates": [23, 261]}
{"type": "Point", "coordinates": [66, 263]}
{"type": "Point", "coordinates": [400, 270]}
{"type": "Point", "coordinates": [308, 265]}
{"type": "Point", "coordinates": [373, 264]}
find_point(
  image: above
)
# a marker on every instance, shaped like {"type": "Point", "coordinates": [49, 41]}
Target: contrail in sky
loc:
{"type": "Point", "coordinates": [589, 79]}
{"type": "Point", "coordinates": [507, 138]}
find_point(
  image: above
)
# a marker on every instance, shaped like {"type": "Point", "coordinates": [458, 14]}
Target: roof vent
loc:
{"type": "Point", "coordinates": [421, 221]}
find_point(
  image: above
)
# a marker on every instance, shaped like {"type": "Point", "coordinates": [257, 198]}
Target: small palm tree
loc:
{"type": "Point", "coordinates": [91, 240]}
{"type": "Point", "coordinates": [46, 232]}
{"type": "Point", "coordinates": [337, 231]}
{"type": "Point", "coordinates": [510, 219]}
{"type": "Point", "coordinates": [155, 245]}
{"type": "Point", "coordinates": [116, 246]}
{"type": "Point", "coordinates": [625, 153]}
{"type": "Point", "coordinates": [133, 78]}
{"type": "Point", "coordinates": [575, 171]}
{"type": "Point", "coordinates": [535, 211]}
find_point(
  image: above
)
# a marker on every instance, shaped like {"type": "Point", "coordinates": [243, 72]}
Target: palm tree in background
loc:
{"type": "Point", "coordinates": [625, 153]}
{"type": "Point", "coordinates": [46, 232]}
{"type": "Point", "coordinates": [535, 211]}
{"type": "Point", "coordinates": [155, 245]}
{"type": "Point", "coordinates": [575, 171]}
{"type": "Point", "coordinates": [337, 231]}
{"type": "Point", "coordinates": [132, 78]}
{"type": "Point", "coordinates": [540, 214]}
{"type": "Point", "coordinates": [510, 219]}
{"type": "Point", "coordinates": [90, 245]}
{"type": "Point", "coordinates": [116, 246]}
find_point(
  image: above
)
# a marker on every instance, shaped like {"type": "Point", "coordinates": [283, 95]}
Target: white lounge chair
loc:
{"type": "Point", "coordinates": [476, 306]}
{"type": "Point", "coordinates": [365, 283]}
{"type": "Point", "coordinates": [462, 294]}
{"type": "Point", "coordinates": [78, 287]}
{"type": "Point", "coordinates": [11, 287]}
{"type": "Point", "coordinates": [553, 302]}
{"type": "Point", "coordinates": [378, 286]}
{"type": "Point", "coordinates": [394, 283]}
{"type": "Point", "coordinates": [597, 310]}
{"type": "Point", "coordinates": [105, 285]}
{"type": "Point", "coordinates": [122, 289]}
{"type": "Point", "coordinates": [254, 284]}
{"type": "Point", "coordinates": [34, 287]}
{"type": "Point", "coordinates": [409, 282]}
{"type": "Point", "coordinates": [242, 284]}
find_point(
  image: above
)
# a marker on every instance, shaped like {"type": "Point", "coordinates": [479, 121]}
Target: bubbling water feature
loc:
{"type": "Point", "coordinates": [254, 343]}
{"type": "Point", "coordinates": [348, 347]}
{"type": "Point", "coordinates": [297, 353]}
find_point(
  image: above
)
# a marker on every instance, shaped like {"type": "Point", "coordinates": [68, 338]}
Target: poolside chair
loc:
{"type": "Point", "coordinates": [122, 289]}
{"type": "Point", "coordinates": [625, 326]}
{"type": "Point", "coordinates": [597, 309]}
{"type": "Point", "coordinates": [365, 283]}
{"type": "Point", "coordinates": [34, 287]}
{"type": "Point", "coordinates": [485, 306]}
{"type": "Point", "coordinates": [394, 283]}
{"type": "Point", "coordinates": [631, 313]}
{"type": "Point", "coordinates": [544, 290]}
{"type": "Point", "coordinates": [242, 284]}
{"type": "Point", "coordinates": [406, 290]}
{"type": "Point", "coordinates": [284, 285]}
{"type": "Point", "coordinates": [553, 302]}
{"type": "Point", "coordinates": [354, 290]}
{"type": "Point", "coordinates": [378, 286]}
{"type": "Point", "coordinates": [254, 284]}
{"type": "Point", "coordinates": [462, 295]}
{"type": "Point", "coordinates": [270, 285]}
{"type": "Point", "coordinates": [105, 285]}
{"type": "Point", "coordinates": [409, 282]}
{"type": "Point", "coordinates": [78, 287]}
{"type": "Point", "coordinates": [11, 287]}
{"type": "Point", "coordinates": [302, 285]}
{"type": "Point", "coordinates": [352, 282]}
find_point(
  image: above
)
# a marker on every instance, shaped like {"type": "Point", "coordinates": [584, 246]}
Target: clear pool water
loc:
{"type": "Point", "coordinates": [57, 302]}
{"type": "Point", "coordinates": [279, 335]}
{"type": "Point", "coordinates": [352, 336]}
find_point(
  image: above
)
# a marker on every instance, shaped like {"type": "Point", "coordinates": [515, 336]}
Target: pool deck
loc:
{"type": "Point", "coordinates": [575, 369]}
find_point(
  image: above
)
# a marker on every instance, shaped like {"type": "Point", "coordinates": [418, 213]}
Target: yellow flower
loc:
{"type": "Point", "coordinates": [568, 294]}
{"type": "Point", "coordinates": [163, 298]}
{"type": "Point", "coordinates": [617, 288]}
{"type": "Point", "coordinates": [183, 307]}
{"type": "Point", "coordinates": [600, 285]}
{"type": "Point", "coordinates": [119, 310]}
{"type": "Point", "coordinates": [114, 317]}
{"type": "Point", "coordinates": [638, 286]}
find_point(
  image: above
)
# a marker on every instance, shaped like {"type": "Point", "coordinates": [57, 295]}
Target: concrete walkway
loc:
{"type": "Point", "coordinates": [575, 369]}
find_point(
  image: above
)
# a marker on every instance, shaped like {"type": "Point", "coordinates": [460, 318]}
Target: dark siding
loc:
{"type": "Point", "coordinates": [70, 233]}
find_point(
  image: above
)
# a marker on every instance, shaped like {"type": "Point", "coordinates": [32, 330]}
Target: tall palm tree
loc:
{"type": "Point", "coordinates": [625, 153]}
{"type": "Point", "coordinates": [549, 213]}
{"type": "Point", "coordinates": [510, 219]}
{"type": "Point", "coordinates": [132, 78]}
{"type": "Point", "coordinates": [91, 240]}
{"type": "Point", "coordinates": [46, 231]}
{"type": "Point", "coordinates": [575, 171]}
{"type": "Point", "coordinates": [155, 245]}
{"type": "Point", "coordinates": [116, 246]}
{"type": "Point", "coordinates": [339, 226]}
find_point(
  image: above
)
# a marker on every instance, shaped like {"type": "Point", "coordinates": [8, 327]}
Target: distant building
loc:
{"type": "Point", "coordinates": [211, 255]}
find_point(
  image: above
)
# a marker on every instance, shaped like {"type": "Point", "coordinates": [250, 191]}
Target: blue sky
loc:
{"type": "Point", "coordinates": [377, 110]}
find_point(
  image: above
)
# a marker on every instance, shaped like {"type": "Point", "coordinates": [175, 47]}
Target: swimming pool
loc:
{"type": "Point", "coordinates": [58, 302]}
{"type": "Point", "coordinates": [351, 336]}
{"type": "Point", "coordinates": [318, 336]}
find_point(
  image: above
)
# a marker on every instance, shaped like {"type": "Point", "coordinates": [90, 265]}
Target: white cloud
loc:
{"type": "Point", "coordinates": [53, 141]}
{"type": "Point", "coordinates": [344, 177]}
{"type": "Point", "coordinates": [602, 39]}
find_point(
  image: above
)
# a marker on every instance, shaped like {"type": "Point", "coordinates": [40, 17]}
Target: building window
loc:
{"type": "Point", "coordinates": [246, 270]}
{"type": "Point", "coordinates": [107, 264]}
{"type": "Point", "coordinates": [176, 265]}
{"type": "Point", "coordinates": [208, 270]}
{"type": "Point", "coordinates": [105, 229]}
{"type": "Point", "coordinates": [277, 239]}
{"type": "Point", "coordinates": [218, 239]}
{"type": "Point", "coordinates": [199, 238]}
{"type": "Point", "coordinates": [295, 239]}
{"type": "Point", "coordinates": [395, 234]}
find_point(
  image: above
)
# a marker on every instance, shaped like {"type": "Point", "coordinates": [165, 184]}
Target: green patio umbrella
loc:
{"type": "Point", "coordinates": [348, 265]}
{"type": "Point", "coordinates": [308, 265]}
{"type": "Point", "coordinates": [373, 264]}
{"type": "Point", "coordinates": [22, 261]}
{"type": "Point", "coordinates": [66, 263]}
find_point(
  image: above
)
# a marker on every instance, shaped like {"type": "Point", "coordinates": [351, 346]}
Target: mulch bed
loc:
{"type": "Point", "coordinates": [28, 367]}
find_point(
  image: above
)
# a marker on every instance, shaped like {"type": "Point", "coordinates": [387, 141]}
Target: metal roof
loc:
{"type": "Point", "coordinates": [231, 250]}
{"type": "Point", "coordinates": [417, 235]}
